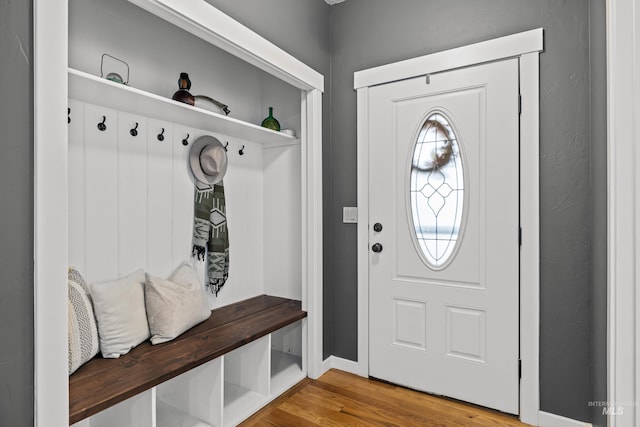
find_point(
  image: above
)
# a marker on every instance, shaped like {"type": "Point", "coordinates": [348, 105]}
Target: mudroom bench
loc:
{"type": "Point", "coordinates": [186, 380]}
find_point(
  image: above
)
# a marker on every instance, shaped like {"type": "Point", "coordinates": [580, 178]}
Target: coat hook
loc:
{"type": "Point", "coordinates": [185, 141]}
{"type": "Point", "coordinates": [241, 151]}
{"type": "Point", "coordinates": [226, 146]}
{"type": "Point", "coordinates": [134, 131]}
{"type": "Point", "coordinates": [102, 126]}
{"type": "Point", "coordinates": [161, 135]}
{"type": "Point", "coordinates": [68, 115]}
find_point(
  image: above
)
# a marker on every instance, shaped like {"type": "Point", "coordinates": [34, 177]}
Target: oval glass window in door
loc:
{"type": "Point", "coordinates": [437, 190]}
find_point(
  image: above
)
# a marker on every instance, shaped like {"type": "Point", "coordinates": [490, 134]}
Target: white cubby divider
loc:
{"type": "Point", "coordinates": [286, 358]}
{"type": "Point", "coordinates": [138, 411]}
{"type": "Point", "coordinates": [194, 395]}
{"type": "Point", "coordinates": [246, 380]}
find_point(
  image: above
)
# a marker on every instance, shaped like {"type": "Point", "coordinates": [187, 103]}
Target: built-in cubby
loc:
{"type": "Point", "coordinates": [286, 358]}
{"type": "Point", "coordinates": [193, 397]}
{"type": "Point", "coordinates": [246, 380]}
{"type": "Point", "coordinates": [216, 374]}
{"type": "Point", "coordinates": [139, 411]}
{"type": "Point", "coordinates": [130, 203]}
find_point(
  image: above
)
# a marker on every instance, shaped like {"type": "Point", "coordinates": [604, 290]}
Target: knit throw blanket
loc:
{"type": "Point", "coordinates": [210, 233]}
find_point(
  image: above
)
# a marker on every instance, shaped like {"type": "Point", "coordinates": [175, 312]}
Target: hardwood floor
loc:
{"type": "Point", "coordinates": [342, 399]}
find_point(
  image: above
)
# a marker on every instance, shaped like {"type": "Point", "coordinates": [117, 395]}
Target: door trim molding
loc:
{"type": "Point", "coordinates": [50, 99]}
{"type": "Point", "coordinates": [623, 263]}
{"type": "Point", "coordinates": [511, 46]}
{"type": "Point", "coordinates": [525, 46]}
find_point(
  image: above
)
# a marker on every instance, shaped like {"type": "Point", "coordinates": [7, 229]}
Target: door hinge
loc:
{"type": "Point", "coordinates": [520, 368]}
{"type": "Point", "coordinates": [520, 236]}
{"type": "Point", "coordinates": [520, 104]}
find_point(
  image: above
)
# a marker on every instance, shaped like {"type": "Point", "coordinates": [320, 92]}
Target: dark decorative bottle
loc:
{"type": "Point", "coordinates": [270, 122]}
{"type": "Point", "coordinates": [183, 94]}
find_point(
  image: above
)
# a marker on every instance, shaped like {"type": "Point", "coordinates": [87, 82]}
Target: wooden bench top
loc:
{"type": "Point", "coordinates": [102, 383]}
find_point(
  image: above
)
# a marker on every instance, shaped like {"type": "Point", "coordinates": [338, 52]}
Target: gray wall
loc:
{"type": "Point", "coordinates": [599, 205]}
{"type": "Point", "coordinates": [367, 33]}
{"type": "Point", "coordinates": [16, 214]}
{"type": "Point", "coordinates": [307, 37]}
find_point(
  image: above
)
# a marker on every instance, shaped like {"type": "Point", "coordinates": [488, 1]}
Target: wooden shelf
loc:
{"type": "Point", "coordinates": [95, 90]}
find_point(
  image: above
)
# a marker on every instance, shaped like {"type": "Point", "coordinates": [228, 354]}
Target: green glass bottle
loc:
{"type": "Point", "coordinates": [270, 122]}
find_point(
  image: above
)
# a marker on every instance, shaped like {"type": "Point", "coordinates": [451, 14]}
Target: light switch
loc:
{"type": "Point", "coordinates": [349, 215]}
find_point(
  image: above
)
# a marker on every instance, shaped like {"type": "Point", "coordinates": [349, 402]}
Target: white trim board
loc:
{"type": "Point", "coordinates": [623, 263]}
{"type": "Point", "coordinates": [210, 24]}
{"type": "Point", "coordinates": [478, 53]}
{"type": "Point", "coordinates": [334, 362]}
{"type": "Point", "coordinates": [51, 405]}
{"type": "Point", "coordinates": [546, 419]}
{"type": "Point", "coordinates": [526, 46]}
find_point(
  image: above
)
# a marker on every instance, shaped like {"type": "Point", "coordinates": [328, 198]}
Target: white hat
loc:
{"type": "Point", "coordinates": [208, 160]}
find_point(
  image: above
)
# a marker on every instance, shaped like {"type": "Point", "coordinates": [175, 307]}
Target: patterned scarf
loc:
{"type": "Point", "coordinates": [210, 233]}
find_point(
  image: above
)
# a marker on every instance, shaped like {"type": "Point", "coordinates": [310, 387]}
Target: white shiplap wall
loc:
{"type": "Point", "coordinates": [131, 204]}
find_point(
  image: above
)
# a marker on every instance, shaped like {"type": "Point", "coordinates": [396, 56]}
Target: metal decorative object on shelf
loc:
{"type": "Point", "coordinates": [112, 75]}
{"type": "Point", "coordinates": [208, 103]}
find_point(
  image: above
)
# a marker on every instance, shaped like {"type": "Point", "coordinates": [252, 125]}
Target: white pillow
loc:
{"type": "Point", "coordinates": [121, 315]}
{"type": "Point", "coordinates": [176, 304]}
{"type": "Point", "coordinates": [82, 328]}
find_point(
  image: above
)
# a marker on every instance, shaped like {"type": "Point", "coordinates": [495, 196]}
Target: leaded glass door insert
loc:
{"type": "Point", "coordinates": [437, 190]}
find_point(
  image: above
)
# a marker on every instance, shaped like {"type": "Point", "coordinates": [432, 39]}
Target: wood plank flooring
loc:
{"type": "Point", "coordinates": [342, 399]}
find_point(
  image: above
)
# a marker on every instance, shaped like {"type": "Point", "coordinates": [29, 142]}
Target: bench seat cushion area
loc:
{"type": "Point", "coordinates": [102, 383]}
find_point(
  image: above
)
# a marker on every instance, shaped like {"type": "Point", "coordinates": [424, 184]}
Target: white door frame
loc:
{"type": "Point", "coordinates": [526, 46]}
{"type": "Point", "coordinates": [51, 400]}
{"type": "Point", "coordinates": [623, 122]}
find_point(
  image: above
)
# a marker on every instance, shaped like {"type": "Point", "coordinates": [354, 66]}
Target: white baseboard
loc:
{"type": "Point", "coordinates": [546, 419]}
{"type": "Point", "coordinates": [333, 362]}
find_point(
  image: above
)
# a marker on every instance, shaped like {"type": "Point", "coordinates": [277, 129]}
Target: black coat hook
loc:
{"type": "Point", "coordinates": [241, 151]}
{"type": "Point", "coordinates": [225, 146]}
{"type": "Point", "coordinates": [134, 131]}
{"type": "Point", "coordinates": [161, 135]}
{"type": "Point", "coordinates": [101, 126]}
{"type": "Point", "coordinates": [68, 115]}
{"type": "Point", "coordinates": [185, 141]}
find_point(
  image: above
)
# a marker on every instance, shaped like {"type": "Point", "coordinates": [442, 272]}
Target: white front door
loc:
{"type": "Point", "coordinates": [444, 234]}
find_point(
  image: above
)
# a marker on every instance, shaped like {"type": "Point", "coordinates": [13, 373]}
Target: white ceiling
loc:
{"type": "Point", "coordinates": [330, 2]}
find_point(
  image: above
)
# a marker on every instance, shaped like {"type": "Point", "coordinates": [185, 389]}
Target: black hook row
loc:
{"type": "Point", "coordinates": [102, 126]}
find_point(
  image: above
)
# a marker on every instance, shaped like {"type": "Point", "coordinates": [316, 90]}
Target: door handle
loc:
{"type": "Point", "coordinates": [377, 248]}
{"type": "Point", "coordinates": [377, 227]}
